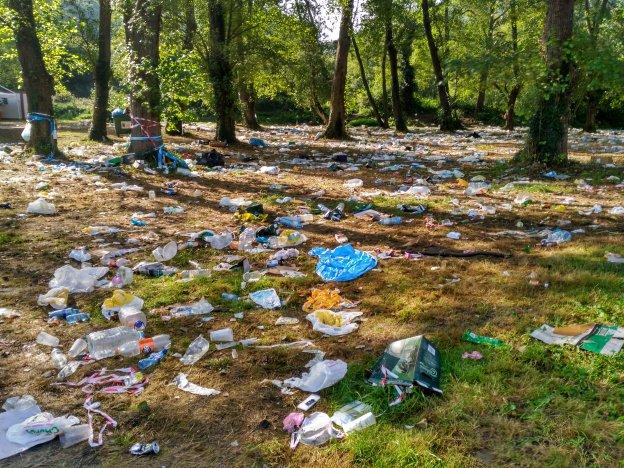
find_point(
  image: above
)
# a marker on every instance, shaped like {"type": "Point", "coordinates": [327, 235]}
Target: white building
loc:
{"type": "Point", "coordinates": [13, 105]}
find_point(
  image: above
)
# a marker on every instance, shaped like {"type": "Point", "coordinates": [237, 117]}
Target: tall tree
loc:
{"type": "Point", "coordinates": [38, 83]}
{"type": "Point", "coordinates": [547, 141]}
{"type": "Point", "coordinates": [369, 95]}
{"type": "Point", "coordinates": [174, 124]}
{"type": "Point", "coordinates": [221, 74]}
{"type": "Point", "coordinates": [409, 87]}
{"type": "Point", "coordinates": [102, 74]}
{"type": "Point", "coordinates": [142, 22]}
{"type": "Point", "coordinates": [516, 87]}
{"type": "Point", "coordinates": [595, 12]}
{"type": "Point", "coordinates": [485, 68]}
{"type": "Point", "coordinates": [397, 108]}
{"type": "Point", "coordinates": [337, 117]}
{"type": "Point", "coordinates": [448, 122]}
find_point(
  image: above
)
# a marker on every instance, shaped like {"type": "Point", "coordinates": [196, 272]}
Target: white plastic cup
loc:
{"type": "Point", "coordinates": [223, 335]}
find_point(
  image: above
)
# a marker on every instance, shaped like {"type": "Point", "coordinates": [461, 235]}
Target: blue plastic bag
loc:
{"type": "Point", "coordinates": [344, 263]}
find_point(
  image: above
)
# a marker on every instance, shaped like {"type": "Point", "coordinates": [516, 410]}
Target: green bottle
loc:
{"type": "Point", "coordinates": [478, 339]}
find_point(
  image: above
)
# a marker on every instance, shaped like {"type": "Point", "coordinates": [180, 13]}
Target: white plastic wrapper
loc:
{"type": "Point", "coordinates": [345, 328]}
{"type": "Point", "coordinates": [322, 375]}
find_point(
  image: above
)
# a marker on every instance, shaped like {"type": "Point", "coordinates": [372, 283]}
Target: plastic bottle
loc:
{"type": "Point", "coordinates": [145, 346]}
{"type": "Point", "coordinates": [79, 347]}
{"type": "Point", "coordinates": [152, 359]}
{"type": "Point", "coordinates": [132, 318]}
{"type": "Point", "coordinates": [58, 358]}
{"type": "Point", "coordinates": [105, 343]}
{"type": "Point", "coordinates": [229, 297]}
{"type": "Point", "coordinates": [68, 369]}
{"type": "Point", "coordinates": [391, 221]}
{"type": "Point", "coordinates": [46, 339]}
{"type": "Point", "coordinates": [290, 221]}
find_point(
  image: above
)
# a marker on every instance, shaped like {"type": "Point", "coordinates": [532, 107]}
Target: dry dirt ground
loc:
{"type": "Point", "coordinates": [528, 404]}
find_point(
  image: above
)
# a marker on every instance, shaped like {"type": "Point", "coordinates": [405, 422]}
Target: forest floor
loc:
{"type": "Point", "coordinates": [527, 404]}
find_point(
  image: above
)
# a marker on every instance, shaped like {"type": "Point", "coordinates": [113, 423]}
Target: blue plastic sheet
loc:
{"type": "Point", "coordinates": [344, 263]}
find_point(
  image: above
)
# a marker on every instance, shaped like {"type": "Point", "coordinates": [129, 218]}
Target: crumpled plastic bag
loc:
{"type": "Point", "coordinates": [55, 297]}
{"type": "Point", "coordinates": [316, 429]}
{"type": "Point", "coordinates": [41, 206]}
{"type": "Point", "coordinates": [77, 281]}
{"type": "Point", "coordinates": [322, 375]}
{"type": "Point", "coordinates": [266, 298]}
{"type": "Point", "coordinates": [344, 263]}
{"type": "Point", "coordinates": [119, 299]}
{"type": "Point", "coordinates": [182, 382]}
{"type": "Point", "coordinates": [333, 323]}
{"type": "Point", "coordinates": [166, 252]}
{"type": "Point", "coordinates": [287, 238]}
{"type": "Point", "coordinates": [39, 428]}
{"type": "Point", "coordinates": [322, 299]}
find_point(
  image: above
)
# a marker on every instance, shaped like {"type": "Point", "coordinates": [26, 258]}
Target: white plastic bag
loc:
{"type": "Point", "coordinates": [266, 298]}
{"type": "Point", "coordinates": [75, 280]}
{"type": "Point", "coordinates": [26, 132]}
{"type": "Point", "coordinates": [345, 328]}
{"type": "Point", "coordinates": [55, 297]}
{"type": "Point", "coordinates": [39, 428]}
{"type": "Point", "coordinates": [41, 206]}
{"type": "Point", "coordinates": [166, 252]}
{"type": "Point", "coordinates": [322, 375]}
{"type": "Point", "coordinates": [316, 429]}
{"type": "Point", "coordinates": [220, 241]}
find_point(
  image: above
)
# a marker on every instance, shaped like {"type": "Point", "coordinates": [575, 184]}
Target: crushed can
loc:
{"type": "Point", "coordinates": [144, 449]}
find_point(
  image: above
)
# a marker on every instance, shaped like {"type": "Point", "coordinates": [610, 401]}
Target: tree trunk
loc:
{"type": "Point", "coordinates": [316, 106]}
{"type": "Point", "coordinates": [384, 86]}
{"type": "Point", "coordinates": [337, 116]}
{"type": "Point", "coordinates": [547, 141]}
{"type": "Point", "coordinates": [397, 110]}
{"type": "Point", "coordinates": [409, 88]}
{"type": "Point", "coordinates": [371, 99]}
{"type": "Point", "coordinates": [102, 74]}
{"type": "Point", "coordinates": [593, 99]}
{"type": "Point", "coordinates": [510, 114]}
{"type": "Point", "coordinates": [142, 21]}
{"type": "Point", "coordinates": [483, 77]}
{"type": "Point", "coordinates": [247, 95]}
{"type": "Point", "coordinates": [485, 72]}
{"type": "Point", "coordinates": [38, 83]}
{"type": "Point", "coordinates": [448, 123]}
{"type": "Point", "coordinates": [174, 123]}
{"type": "Point", "coordinates": [221, 76]}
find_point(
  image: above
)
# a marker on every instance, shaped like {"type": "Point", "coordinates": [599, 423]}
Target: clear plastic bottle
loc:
{"type": "Point", "coordinates": [105, 343]}
{"type": "Point", "coordinates": [79, 347]}
{"type": "Point", "coordinates": [132, 318]}
{"type": "Point", "coordinates": [145, 345]}
{"type": "Point", "coordinates": [391, 221]}
{"type": "Point", "coordinates": [58, 358]}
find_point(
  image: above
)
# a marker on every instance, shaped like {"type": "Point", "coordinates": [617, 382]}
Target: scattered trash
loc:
{"type": "Point", "coordinates": [611, 258]}
{"type": "Point", "coordinates": [183, 384]}
{"type": "Point", "coordinates": [322, 375]}
{"type": "Point", "coordinates": [472, 337]}
{"type": "Point", "coordinates": [405, 363]}
{"type": "Point", "coordinates": [474, 355]}
{"type": "Point", "coordinates": [195, 351]}
{"type": "Point", "coordinates": [597, 338]}
{"type": "Point", "coordinates": [144, 449]}
{"type": "Point", "coordinates": [354, 416]}
{"type": "Point", "coordinates": [333, 323]}
{"type": "Point", "coordinates": [315, 429]}
{"type": "Point", "coordinates": [41, 207]}
{"type": "Point", "coordinates": [46, 339]}
{"type": "Point", "coordinates": [166, 252]}
{"type": "Point", "coordinates": [344, 263]}
{"type": "Point", "coordinates": [266, 298]}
